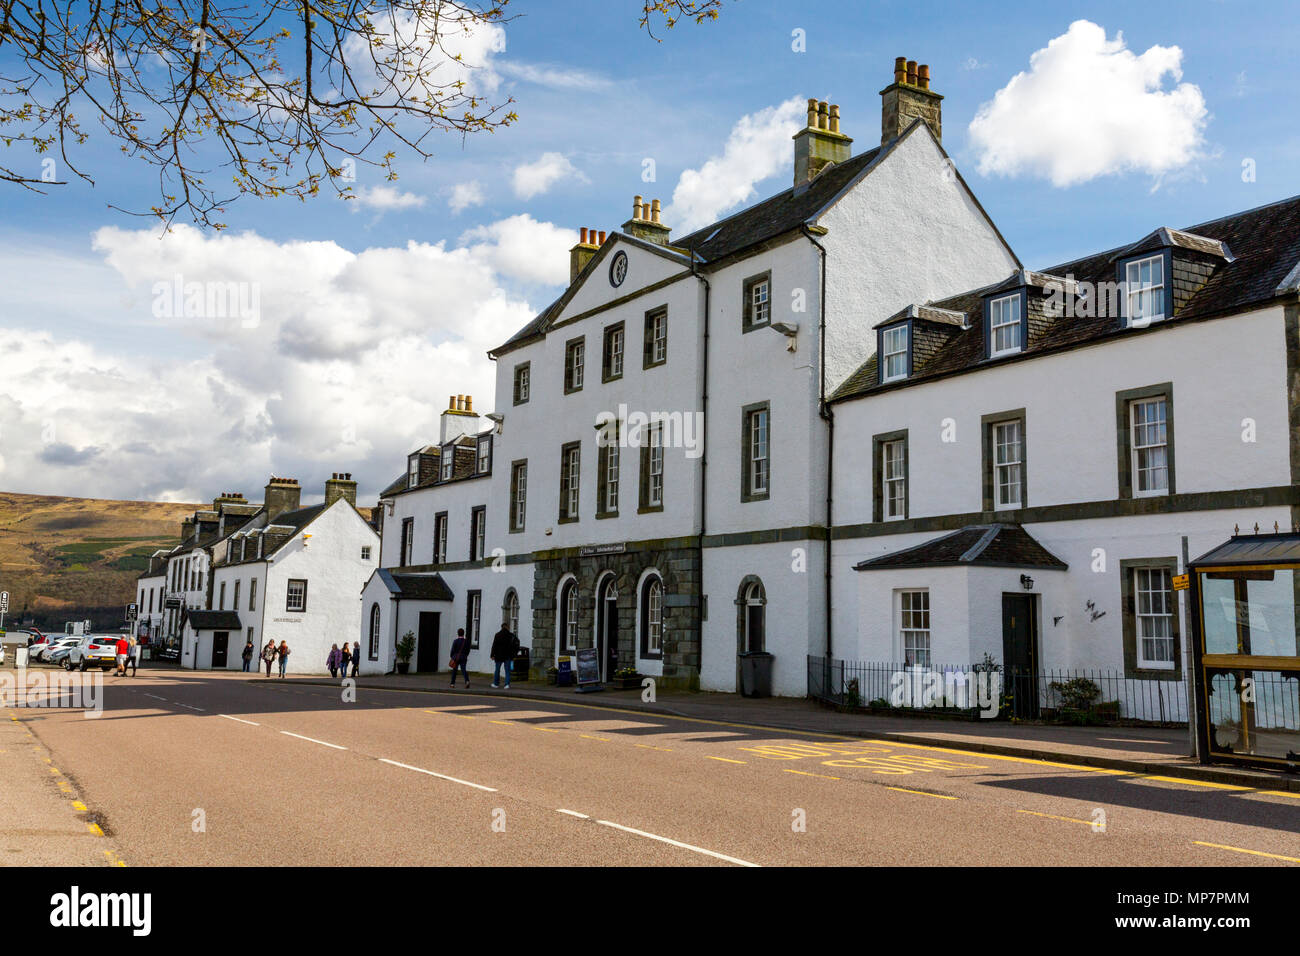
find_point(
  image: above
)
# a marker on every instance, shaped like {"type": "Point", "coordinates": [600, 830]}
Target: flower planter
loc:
{"type": "Point", "coordinates": [627, 683]}
{"type": "Point", "coordinates": [403, 666]}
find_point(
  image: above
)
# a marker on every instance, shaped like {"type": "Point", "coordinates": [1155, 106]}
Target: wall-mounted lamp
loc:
{"type": "Point", "coordinates": [789, 330]}
{"type": "Point", "coordinates": [1026, 582]}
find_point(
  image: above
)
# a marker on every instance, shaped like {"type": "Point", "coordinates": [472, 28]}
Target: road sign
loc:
{"type": "Point", "coordinates": [1182, 582]}
{"type": "Point", "coordinates": [130, 612]}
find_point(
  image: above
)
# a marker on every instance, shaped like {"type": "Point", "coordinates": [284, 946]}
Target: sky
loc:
{"type": "Point", "coordinates": [1080, 127]}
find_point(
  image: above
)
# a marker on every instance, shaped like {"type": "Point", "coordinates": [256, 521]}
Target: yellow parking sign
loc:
{"type": "Point", "coordinates": [1181, 582]}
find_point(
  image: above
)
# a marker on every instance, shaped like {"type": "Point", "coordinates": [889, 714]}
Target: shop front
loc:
{"type": "Point", "coordinates": [1246, 659]}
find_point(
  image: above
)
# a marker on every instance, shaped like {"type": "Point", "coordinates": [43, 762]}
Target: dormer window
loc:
{"type": "Point", "coordinates": [894, 354]}
{"type": "Point", "coordinates": [1005, 325]}
{"type": "Point", "coordinates": [484, 455]}
{"type": "Point", "coordinates": [448, 459]}
{"type": "Point", "coordinates": [412, 471]}
{"type": "Point", "coordinates": [1145, 297]}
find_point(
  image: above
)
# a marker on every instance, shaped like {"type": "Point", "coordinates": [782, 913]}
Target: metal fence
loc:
{"type": "Point", "coordinates": [972, 690]}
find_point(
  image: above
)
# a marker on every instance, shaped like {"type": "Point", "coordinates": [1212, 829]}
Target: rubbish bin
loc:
{"type": "Point", "coordinates": [756, 674]}
{"type": "Point", "coordinates": [519, 667]}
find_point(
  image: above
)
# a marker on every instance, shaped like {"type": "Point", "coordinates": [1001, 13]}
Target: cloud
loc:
{"type": "Point", "coordinates": [758, 147]}
{"type": "Point", "coordinates": [464, 195]}
{"type": "Point", "coordinates": [555, 77]}
{"type": "Point", "coordinates": [336, 374]}
{"type": "Point", "coordinates": [461, 53]}
{"type": "Point", "coordinates": [384, 199]}
{"type": "Point", "coordinates": [533, 179]}
{"type": "Point", "coordinates": [1090, 107]}
{"type": "Point", "coordinates": [523, 248]}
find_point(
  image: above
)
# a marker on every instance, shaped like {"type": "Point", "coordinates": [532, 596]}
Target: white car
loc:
{"type": "Point", "coordinates": [93, 650]}
{"type": "Point", "coordinates": [42, 652]}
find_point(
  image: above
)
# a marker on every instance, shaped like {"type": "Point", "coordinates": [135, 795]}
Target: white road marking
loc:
{"type": "Point", "coordinates": [573, 813]}
{"type": "Point", "coordinates": [240, 719]}
{"type": "Point", "coordinates": [440, 776]}
{"type": "Point", "coordinates": [190, 706]}
{"type": "Point", "coordinates": [313, 740]}
{"type": "Point", "coordinates": [684, 846]}
{"type": "Point", "coordinates": [155, 697]}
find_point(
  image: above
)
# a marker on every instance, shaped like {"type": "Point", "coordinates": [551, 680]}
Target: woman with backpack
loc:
{"type": "Point", "coordinates": [459, 656]}
{"type": "Point", "coordinates": [268, 655]}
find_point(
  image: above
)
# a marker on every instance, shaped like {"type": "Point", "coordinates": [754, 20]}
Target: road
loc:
{"type": "Point", "coordinates": [200, 769]}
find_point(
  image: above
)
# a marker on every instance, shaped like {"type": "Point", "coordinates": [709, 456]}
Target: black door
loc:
{"type": "Point", "coordinates": [220, 640]}
{"type": "Point", "coordinates": [1020, 654]}
{"type": "Point", "coordinates": [426, 648]}
{"type": "Point", "coordinates": [607, 629]}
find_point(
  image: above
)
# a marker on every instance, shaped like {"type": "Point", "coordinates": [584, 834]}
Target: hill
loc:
{"type": "Point", "coordinates": [72, 558]}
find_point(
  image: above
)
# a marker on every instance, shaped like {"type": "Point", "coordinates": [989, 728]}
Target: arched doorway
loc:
{"type": "Point", "coordinates": [607, 625]}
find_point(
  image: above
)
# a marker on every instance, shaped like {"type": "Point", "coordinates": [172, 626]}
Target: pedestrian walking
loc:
{"type": "Point", "coordinates": [459, 656]}
{"type": "Point", "coordinates": [133, 656]}
{"type": "Point", "coordinates": [122, 648]}
{"type": "Point", "coordinates": [504, 648]}
{"type": "Point", "coordinates": [268, 655]}
{"type": "Point", "coordinates": [356, 657]}
{"type": "Point", "coordinates": [249, 653]}
{"type": "Point", "coordinates": [283, 651]}
{"type": "Point", "coordinates": [345, 658]}
{"type": "Point", "coordinates": [332, 662]}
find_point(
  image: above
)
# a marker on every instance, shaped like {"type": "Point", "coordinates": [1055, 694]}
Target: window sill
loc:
{"type": "Point", "coordinates": [568, 390]}
{"type": "Point", "coordinates": [649, 509]}
{"type": "Point", "coordinates": [648, 365]}
{"type": "Point", "coordinates": [521, 401]}
{"type": "Point", "coordinates": [745, 329]}
{"type": "Point", "coordinates": [747, 498]}
{"type": "Point", "coordinates": [606, 514]}
{"type": "Point", "coordinates": [519, 530]}
{"type": "Point", "coordinates": [606, 379]}
{"type": "Point", "coordinates": [565, 520]}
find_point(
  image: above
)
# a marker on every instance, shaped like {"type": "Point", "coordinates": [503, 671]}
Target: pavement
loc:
{"type": "Point", "coordinates": [203, 768]}
{"type": "Point", "coordinates": [1146, 750]}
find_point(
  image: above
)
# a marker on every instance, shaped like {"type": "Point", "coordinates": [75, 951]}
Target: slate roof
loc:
{"type": "Point", "coordinates": [988, 545]}
{"type": "Point", "coordinates": [416, 587]}
{"type": "Point", "coordinates": [214, 620]}
{"type": "Point", "coordinates": [1264, 245]}
{"type": "Point", "coordinates": [1252, 549]}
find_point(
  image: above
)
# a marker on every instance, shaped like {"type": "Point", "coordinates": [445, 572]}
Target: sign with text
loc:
{"type": "Point", "coordinates": [1181, 582]}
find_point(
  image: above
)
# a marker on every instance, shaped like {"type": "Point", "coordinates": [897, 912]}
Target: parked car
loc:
{"type": "Point", "coordinates": [42, 651]}
{"type": "Point", "coordinates": [93, 650]}
{"type": "Point", "coordinates": [58, 653]}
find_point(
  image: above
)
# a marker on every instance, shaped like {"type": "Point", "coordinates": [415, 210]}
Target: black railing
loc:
{"type": "Point", "coordinates": [1082, 696]}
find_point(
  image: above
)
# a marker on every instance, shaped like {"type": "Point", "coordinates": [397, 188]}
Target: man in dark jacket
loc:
{"type": "Point", "coordinates": [459, 656]}
{"type": "Point", "coordinates": [504, 648]}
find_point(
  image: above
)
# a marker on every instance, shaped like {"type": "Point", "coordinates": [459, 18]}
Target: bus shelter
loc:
{"type": "Point", "coordinates": [1246, 659]}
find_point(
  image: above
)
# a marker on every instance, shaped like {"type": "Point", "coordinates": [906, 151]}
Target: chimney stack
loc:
{"type": "Point", "coordinates": [645, 223]}
{"type": "Point", "coordinates": [339, 486]}
{"type": "Point", "coordinates": [581, 254]}
{"type": "Point", "coordinates": [282, 495]}
{"type": "Point", "coordinates": [459, 419]}
{"type": "Point", "coordinates": [820, 143]}
{"type": "Point", "coordinates": [909, 98]}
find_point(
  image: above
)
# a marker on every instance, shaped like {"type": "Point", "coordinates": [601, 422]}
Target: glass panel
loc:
{"type": "Point", "coordinates": [1252, 613]}
{"type": "Point", "coordinates": [1255, 713]}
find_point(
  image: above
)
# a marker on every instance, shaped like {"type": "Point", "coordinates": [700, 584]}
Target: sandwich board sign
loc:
{"type": "Point", "coordinates": [588, 668]}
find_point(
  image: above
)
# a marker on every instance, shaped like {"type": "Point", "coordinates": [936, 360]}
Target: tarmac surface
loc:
{"type": "Point", "coordinates": [207, 768]}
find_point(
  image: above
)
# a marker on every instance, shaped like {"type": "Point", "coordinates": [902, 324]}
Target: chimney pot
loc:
{"type": "Point", "coordinates": [911, 73]}
{"type": "Point", "coordinates": [602, 237]}
{"type": "Point", "coordinates": [636, 207]}
{"type": "Point", "coordinates": [823, 121]}
{"type": "Point", "coordinates": [900, 69]}
{"type": "Point", "coordinates": [469, 403]}
{"type": "Point", "coordinates": [835, 118]}
{"type": "Point", "coordinates": [923, 76]}
{"type": "Point", "coordinates": [654, 210]}
{"type": "Point", "coordinates": [460, 403]}
{"type": "Point", "coordinates": [812, 113]}
{"type": "Point", "coordinates": [583, 240]}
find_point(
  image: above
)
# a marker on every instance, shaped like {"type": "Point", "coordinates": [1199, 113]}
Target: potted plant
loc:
{"type": "Point", "coordinates": [627, 678]}
{"type": "Point", "coordinates": [405, 648]}
{"type": "Point", "coordinates": [552, 674]}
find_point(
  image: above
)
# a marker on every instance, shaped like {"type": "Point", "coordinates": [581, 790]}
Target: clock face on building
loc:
{"type": "Point", "coordinates": [618, 270]}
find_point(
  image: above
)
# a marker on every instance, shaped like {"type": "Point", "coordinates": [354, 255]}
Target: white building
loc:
{"type": "Point", "coordinates": [705, 361]}
{"type": "Point", "coordinates": [288, 574]}
{"type": "Point", "coordinates": [697, 453]}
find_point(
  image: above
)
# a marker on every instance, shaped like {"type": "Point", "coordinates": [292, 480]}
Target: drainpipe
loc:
{"type": "Point", "coordinates": [704, 461]}
{"type": "Point", "coordinates": [828, 416]}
